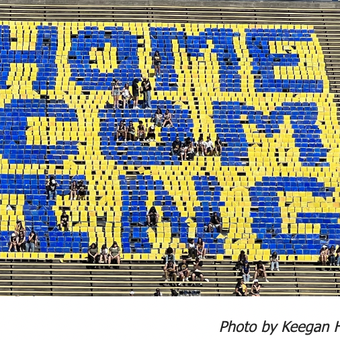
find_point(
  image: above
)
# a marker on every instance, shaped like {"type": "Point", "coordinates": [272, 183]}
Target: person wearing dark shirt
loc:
{"type": "Point", "coordinates": [151, 133]}
{"type": "Point", "coordinates": [64, 221]}
{"type": "Point", "coordinates": [51, 187]}
{"type": "Point", "coordinates": [21, 241]}
{"type": "Point", "coordinates": [218, 147]}
{"type": "Point", "coordinates": [152, 217]}
{"type": "Point", "coordinates": [135, 93]}
{"type": "Point", "coordinates": [240, 288]}
{"type": "Point", "coordinates": [176, 146]}
{"type": "Point", "coordinates": [215, 222]}
{"type": "Point", "coordinates": [31, 242]}
{"type": "Point", "coordinates": [93, 255]}
{"type": "Point", "coordinates": [121, 130]}
{"type": "Point", "coordinates": [170, 271]}
{"type": "Point", "coordinates": [200, 148]}
{"type": "Point", "coordinates": [183, 270]}
{"type": "Point", "coordinates": [82, 192]}
{"type": "Point", "coordinates": [131, 132]}
{"type": "Point", "coordinates": [157, 63]}
{"type": "Point", "coordinates": [13, 243]}
{"type": "Point", "coordinates": [146, 88]}
{"type": "Point", "coordinates": [141, 131]}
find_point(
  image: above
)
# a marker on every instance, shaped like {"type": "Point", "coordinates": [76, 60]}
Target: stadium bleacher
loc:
{"type": "Point", "coordinates": [263, 89]}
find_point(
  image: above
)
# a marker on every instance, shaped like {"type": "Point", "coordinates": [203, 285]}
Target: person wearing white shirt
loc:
{"type": "Point", "coordinates": [208, 147]}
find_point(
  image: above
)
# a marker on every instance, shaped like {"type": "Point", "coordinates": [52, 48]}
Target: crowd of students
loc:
{"type": "Point", "coordinates": [188, 149]}
{"type": "Point", "coordinates": [104, 255]}
{"type": "Point", "coordinates": [189, 270]}
{"type": "Point", "coordinates": [329, 255]}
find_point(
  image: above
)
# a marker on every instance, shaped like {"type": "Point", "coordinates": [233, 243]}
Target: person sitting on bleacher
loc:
{"type": "Point", "coordinates": [51, 187]}
{"type": "Point", "coordinates": [141, 131]}
{"type": "Point", "coordinates": [183, 270]}
{"type": "Point", "coordinates": [200, 248]}
{"type": "Point", "coordinates": [169, 256]}
{"type": "Point", "coordinates": [274, 261]}
{"type": "Point", "coordinates": [209, 147]}
{"type": "Point", "coordinates": [121, 131]}
{"type": "Point", "coordinates": [64, 221]}
{"type": "Point", "coordinates": [13, 243]}
{"type": "Point", "coordinates": [183, 151]}
{"type": "Point", "coordinates": [93, 255]}
{"type": "Point", "coordinates": [245, 271]}
{"type": "Point", "coordinates": [126, 95]}
{"type": "Point", "coordinates": [324, 255]}
{"type": "Point", "coordinates": [158, 118]}
{"type": "Point", "coordinates": [73, 190]}
{"type": "Point", "coordinates": [151, 136]}
{"type": "Point", "coordinates": [338, 256]}
{"type": "Point", "coordinates": [190, 152]}
{"type": "Point", "coordinates": [131, 132]}
{"type": "Point", "coordinates": [215, 222]}
{"type": "Point", "coordinates": [200, 146]}
{"type": "Point", "coordinates": [218, 147]}
{"type": "Point", "coordinates": [176, 146]}
{"type": "Point", "coordinates": [114, 255]}
{"type": "Point", "coordinates": [197, 272]}
{"type": "Point", "coordinates": [32, 241]}
{"type": "Point", "coordinates": [240, 288]}
{"type": "Point", "coordinates": [192, 248]}
{"type": "Point", "coordinates": [170, 271]}
{"type": "Point", "coordinates": [260, 271]}
{"type": "Point", "coordinates": [81, 190]}
{"type": "Point", "coordinates": [104, 252]}
{"type": "Point", "coordinates": [19, 227]}
{"type": "Point", "coordinates": [255, 288]}
{"type": "Point", "coordinates": [331, 256]}
{"type": "Point", "coordinates": [152, 217]}
{"type": "Point", "coordinates": [167, 119]}
{"type": "Point", "coordinates": [241, 260]}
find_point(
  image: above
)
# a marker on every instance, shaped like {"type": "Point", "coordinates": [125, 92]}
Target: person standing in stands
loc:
{"type": "Point", "coordinates": [135, 93]}
{"type": "Point", "coordinates": [126, 95]}
{"type": "Point", "coordinates": [131, 132]}
{"type": "Point", "coordinates": [157, 60]}
{"type": "Point", "coordinates": [146, 88]}
{"type": "Point", "coordinates": [115, 93]}
{"type": "Point", "coordinates": [141, 131]}
{"type": "Point", "coordinates": [274, 261]}
{"type": "Point", "coordinates": [32, 242]}
{"type": "Point", "coordinates": [51, 187]}
{"type": "Point", "coordinates": [73, 190]}
{"type": "Point", "coordinates": [21, 241]}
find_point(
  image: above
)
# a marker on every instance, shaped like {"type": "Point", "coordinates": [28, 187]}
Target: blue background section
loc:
{"type": "Point", "coordinates": [263, 62]}
{"type": "Point", "coordinates": [267, 220]}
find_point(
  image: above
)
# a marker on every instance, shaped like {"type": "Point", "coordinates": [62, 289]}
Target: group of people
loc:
{"type": "Point", "coordinates": [162, 120]}
{"type": "Point", "coordinates": [128, 132]}
{"type": "Point", "coordinates": [330, 255]}
{"type": "Point", "coordinates": [77, 190]}
{"type": "Point", "coordinates": [104, 255]}
{"type": "Point", "coordinates": [145, 88]}
{"type": "Point", "coordinates": [181, 272]}
{"type": "Point", "coordinates": [260, 270]}
{"type": "Point", "coordinates": [187, 149]}
{"type": "Point", "coordinates": [241, 288]}
{"type": "Point", "coordinates": [19, 242]}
